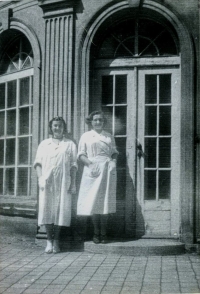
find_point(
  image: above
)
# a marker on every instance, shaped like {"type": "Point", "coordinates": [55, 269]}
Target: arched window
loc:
{"type": "Point", "coordinates": [16, 107]}
{"type": "Point", "coordinates": [134, 38]}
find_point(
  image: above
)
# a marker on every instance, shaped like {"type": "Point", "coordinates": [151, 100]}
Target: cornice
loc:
{"type": "Point", "coordinates": [53, 8]}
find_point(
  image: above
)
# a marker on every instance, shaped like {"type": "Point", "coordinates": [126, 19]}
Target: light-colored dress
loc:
{"type": "Point", "coordinates": [97, 195]}
{"type": "Point", "coordinates": [56, 162]}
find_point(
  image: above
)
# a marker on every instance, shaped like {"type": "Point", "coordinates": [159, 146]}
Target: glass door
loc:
{"type": "Point", "coordinates": [113, 89]}
{"type": "Point", "coordinates": [158, 151]}
{"type": "Point", "coordinates": [142, 108]}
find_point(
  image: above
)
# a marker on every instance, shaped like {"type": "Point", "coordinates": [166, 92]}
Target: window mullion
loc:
{"type": "Point", "coordinates": [114, 87]}
{"type": "Point", "coordinates": [157, 147]}
{"type": "Point", "coordinates": [136, 37]}
{"type": "Point", "coordinates": [30, 132]}
{"type": "Point", "coordinates": [5, 135]}
{"type": "Point", "coordinates": [17, 136]}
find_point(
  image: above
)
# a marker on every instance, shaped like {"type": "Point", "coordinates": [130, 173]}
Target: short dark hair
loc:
{"type": "Point", "coordinates": [89, 118]}
{"type": "Point", "coordinates": [58, 118]}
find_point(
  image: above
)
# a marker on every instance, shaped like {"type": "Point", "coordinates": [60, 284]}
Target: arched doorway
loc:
{"type": "Point", "coordinates": [130, 56]}
{"type": "Point", "coordinates": [137, 84]}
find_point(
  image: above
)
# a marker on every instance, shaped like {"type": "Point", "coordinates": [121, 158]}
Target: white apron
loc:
{"type": "Point", "coordinates": [97, 195]}
{"type": "Point", "coordinates": [55, 200]}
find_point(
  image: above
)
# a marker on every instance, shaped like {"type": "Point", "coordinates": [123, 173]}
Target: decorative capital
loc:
{"type": "Point", "coordinates": [53, 8]}
{"type": "Point", "coordinates": [134, 3]}
{"type": "Point", "coordinates": [5, 19]}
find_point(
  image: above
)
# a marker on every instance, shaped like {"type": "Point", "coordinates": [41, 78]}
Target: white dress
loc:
{"type": "Point", "coordinates": [56, 162]}
{"type": "Point", "coordinates": [97, 195]}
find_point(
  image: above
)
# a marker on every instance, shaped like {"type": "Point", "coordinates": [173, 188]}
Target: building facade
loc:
{"type": "Point", "coordinates": [138, 61]}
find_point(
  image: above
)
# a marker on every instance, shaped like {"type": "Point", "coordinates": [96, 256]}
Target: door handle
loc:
{"type": "Point", "coordinates": [140, 152]}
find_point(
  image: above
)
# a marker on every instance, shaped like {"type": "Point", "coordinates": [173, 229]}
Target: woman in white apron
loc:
{"type": "Point", "coordinates": [97, 194]}
{"type": "Point", "coordinates": [56, 166]}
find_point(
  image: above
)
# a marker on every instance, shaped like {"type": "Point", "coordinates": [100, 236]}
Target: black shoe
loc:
{"type": "Point", "coordinates": [96, 239]}
{"type": "Point", "coordinates": [104, 239]}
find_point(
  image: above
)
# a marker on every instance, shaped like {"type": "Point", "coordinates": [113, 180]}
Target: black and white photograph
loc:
{"type": "Point", "coordinates": [99, 146]}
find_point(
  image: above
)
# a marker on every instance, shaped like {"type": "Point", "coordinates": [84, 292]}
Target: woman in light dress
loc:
{"type": "Point", "coordinates": [56, 166]}
{"type": "Point", "coordinates": [97, 194]}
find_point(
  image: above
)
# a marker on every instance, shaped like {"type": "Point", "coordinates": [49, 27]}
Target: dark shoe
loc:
{"type": "Point", "coordinates": [104, 239]}
{"type": "Point", "coordinates": [96, 239]}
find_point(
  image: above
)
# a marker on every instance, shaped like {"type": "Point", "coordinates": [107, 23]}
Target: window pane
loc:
{"type": "Point", "coordinates": [10, 151]}
{"type": "Point", "coordinates": [27, 62]}
{"type": "Point", "coordinates": [10, 180]}
{"type": "Point", "coordinates": [22, 182]}
{"type": "Point", "coordinates": [165, 120]}
{"type": "Point", "coordinates": [2, 96]}
{"type": "Point", "coordinates": [120, 120]}
{"type": "Point", "coordinates": [151, 89]}
{"type": "Point", "coordinates": [120, 89]}
{"type": "Point", "coordinates": [126, 49]}
{"type": "Point", "coordinates": [1, 181]}
{"type": "Point", "coordinates": [150, 152]}
{"type": "Point", "coordinates": [2, 117]}
{"type": "Point", "coordinates": [24, 91]}
{"type": "Point", "coordinates": [165, 152]}
{"type": "Point", "coordinates": [108, 112]}
{"type": "Point", "coordinates": [149, 185]}
{"type": "Point", "coordinates": [12, 93]}
{"type": "Point", "coordinates": [107, 89]}
{"type": "Point", "coordinates": [164, 184]}
{"type": "Point", "coordinates": [146, 47]}
{"type": "Point", "coordinates": [11, 122]}
{"type": "Point", "coordinates": [24, 121]}
{"type": "Point", "coordinates": [121, 148]}
{"type": "Point", "coordinates": [150, 120]}
{"type": "Point", "coordinates": [1, 152]}
{"type": "Point", "coordinates": [23, 150]}
{"type": "Point", "coordinates": [165, 88]}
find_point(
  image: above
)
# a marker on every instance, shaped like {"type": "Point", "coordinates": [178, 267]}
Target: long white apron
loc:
{"type": "Point", "coordinates": [55, 200]}
{"type": "Point", "coordinates": [98, 195]}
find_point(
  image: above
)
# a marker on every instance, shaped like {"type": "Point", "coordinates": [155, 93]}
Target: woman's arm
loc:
{"type": "Point", "coordinates": [73, 175]}
{"type": "Point", "coordinates": [41, 180]}
{"type": "Point", "coordinates": [85, 160]}
{"type": "Point", "coordinates": [72, 188]}
{"type": "Point", "coordinates": [38, 170]}
{"type": "Point", "coordinates": [94, 167]}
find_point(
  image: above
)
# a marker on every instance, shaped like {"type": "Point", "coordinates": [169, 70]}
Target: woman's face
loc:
{"type": "Point", "coordinates": [97, 122]}
{"type": "Point", "coordinates": [57, 129]}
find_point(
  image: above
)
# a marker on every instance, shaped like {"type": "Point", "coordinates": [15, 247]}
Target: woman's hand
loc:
{"type": "Point", "coordinates": [94, 170]}
{"type": "Point", "coordinates": [112, 164]}
{"type": "Point", "coordinates": [72, 189]}
{"type": "Point", "coordinates": [41, 182]}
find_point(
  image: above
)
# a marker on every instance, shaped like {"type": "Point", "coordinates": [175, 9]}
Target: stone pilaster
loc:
{"type": "Point", "coordinates": [56, 97]}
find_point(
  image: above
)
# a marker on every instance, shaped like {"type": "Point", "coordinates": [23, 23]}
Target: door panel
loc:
{"type": "Point", "coordinates": [142, 107]}
{"type": "Point", "coordinates": [113, 90]}
{"type": "Point", "coordinates": [158, 176]}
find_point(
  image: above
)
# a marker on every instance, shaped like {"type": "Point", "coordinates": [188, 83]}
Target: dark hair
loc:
{"type": "Point", "coordinates": [89, 118]}
{"type": "Point", "coordinates": [58, 118]}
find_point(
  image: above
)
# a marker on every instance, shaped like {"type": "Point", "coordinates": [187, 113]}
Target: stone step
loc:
{"type": "Point", "coordinates": [141, 247]}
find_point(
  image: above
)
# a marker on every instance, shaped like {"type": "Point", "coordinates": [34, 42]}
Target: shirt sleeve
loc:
{"type": "Point", "coordinates": [73, 162]}
{"type": "Point", "coordinates": [82, 147]}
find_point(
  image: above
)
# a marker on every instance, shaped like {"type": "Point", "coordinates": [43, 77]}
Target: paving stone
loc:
{"type": "Point", "coordinates": [73, 287]}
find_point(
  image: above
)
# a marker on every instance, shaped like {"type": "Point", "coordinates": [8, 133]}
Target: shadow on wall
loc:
{"type": "Point", "coordinates": [126, 223]}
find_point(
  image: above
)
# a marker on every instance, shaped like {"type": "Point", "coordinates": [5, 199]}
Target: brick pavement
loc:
{"type": "Point", "coordinates": [25, 268]}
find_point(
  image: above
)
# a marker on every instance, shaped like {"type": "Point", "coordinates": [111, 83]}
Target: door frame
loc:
{"type": "Point", "coordinates": [82, 93]}
{"type": "Point", "coordinates": [169, 207]}
{"type": "Point", "coordinates": [133, 210]}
